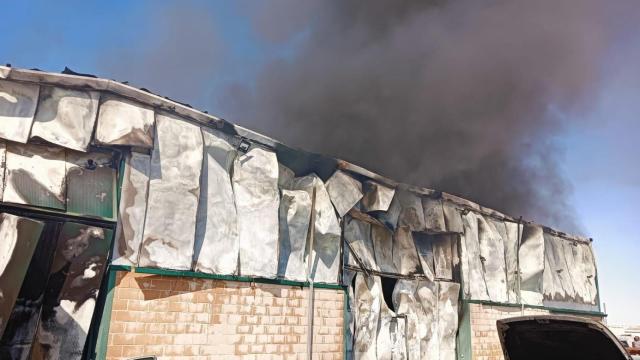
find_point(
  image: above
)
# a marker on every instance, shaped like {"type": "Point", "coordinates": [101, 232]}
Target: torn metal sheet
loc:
{"type": "Point", "coordinates": [285, 177]}
{"type": "Point", "coordinates": [377, 197]}
{"type": "Point", "coordinates": [452, 217]}
{"type": "Point", "coordinates": [124, 122]}
{"type": "Point", "coordinates": [358, 234]}
{"type": "Point", "coordinates": [35, 175]}
{"type": "Point", "coordinates": [448, 293]}
{"type": "Point", "coordinates": [427, 297]}
{"type": "Point", "coordinates": [531, 259]}
{"type": "Point", "coordinates": [17, 107]}
{"type": "Point", "coordinates": [558, 285]}
{"type": "Point", "coordinates": [493, 261]}
{"type": "Point", "coordinates": [383, 247]}
{"type": "Point", "coordinates": [405, 255]}
{"type": "Point", "coordinates": [174, 189]}
{"type": "Point", "coordinates": [18, 239]}
{"type": "Point", "coordinates": [405, 303]}
{"type": "Point", "coordinates": [412, 214]}
{"type": "Point", "coordinates": [133, 207]}
{"type": "Point", "coordinates": [575, 266]}
{"type": "Point", "coordinates": [368, 299]}
{"type": "Point", "coordinates": [443, 245]}
{"type": "Point", "coordinates": [510, 232]}
{"type": "Point", "coordinates": [344, 191]}
{"type": "Point", "coordinates": [424, 247]}
{"type": "Point", "coordinates": [325, 256]}
{"type": "Point", "coordinates": [390, 217]}
{"type": "Point", "coordinates": [66, 117]}
{"type": "Point", "coordinates": [217, 242]}
{"type": "Point", "coordinates": [433, 215]}
{"type": "Point", "coordinates": [350, 315]}
{"type": "Point", "coordinates": [295, 213]}
{"type": "Point", "coordinates": [391, 341]}
{"type": "Point", "coordinates": [75, 277]}
{"type": "Point", "coordinates": [590, 273]}
{"type": "Point", "coordinates": [255, 186]}
{"type": "Point", "coordinates": [91, 184]}
{"type": "Point", "coordinates": [475, 287]}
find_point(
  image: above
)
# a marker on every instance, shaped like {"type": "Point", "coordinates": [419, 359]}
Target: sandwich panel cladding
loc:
{"type": "Point", "coordinates": [95, 174]}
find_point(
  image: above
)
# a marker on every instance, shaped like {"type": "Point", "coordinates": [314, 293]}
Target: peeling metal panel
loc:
{"type": "Point", "coordinates": [391, 341]}
{"type": "Point", "coordinates": [217, 243]}
{"type": "Point", "coordinates": [91, 184]}
{"type": "Point", "coordinates": [383, 247]}
{"type": "Point", "coordinates": [344, 191]}
{"type": "Point", "coordinates": [531, 260]}
{"type": "Point", "coordinates": [17, 107]}
{"type": "Point", "coordinates": [433, 215]}
{"type": "Point", "coordinates": [255, 186]}
{"type": "Point", "coordinates": [35, 175]}
{"type": "Point", "coordinates": [443, 255]}
{"type": "Point", "coordinates": [357, 234]}
{"type": "Point", "coordinates": [124, 122]}
{"type": "Point", "coordinates": [472, 268]}
{"type": "Point", "coordinates": [368, 298]}
{"type": "Point", "coordinates": [575, 267]}
{"type": "Point", "coordinates": [493, 261]}
{"type": "Point", "coordinates": [412, 214]}
{"type": "Point", "coordinates": [377, 197]}
{"type": "Point", "coordinates": [285, 177]}
{"type": "Point", "coordinates": [133, 207]}
{"type": "Point", "coordinates": [509, 231]}
{"type": "Point", "coordinates": [427, 296]}
{"type": "Point", "coordinates": [405, 303]}
{"type": "Point", "coordinates": [295, 213]}
{"type": "Point", "coordinates": [348, 281]}
{"type": "Point", "coordinates": [405, 255]}
{"type": "Point", "coordinates": [325, 255]}
{"type": "Point", "coordinates": [18, 239]}
{"type": "Point", "coordinates": [3, 163]}
{"type": "Point", "coordinates": [424, 246]}
{"type": "Point", "coordinates": [174, 188]}
{"type": "Point", "coordinates": [558, 285]}
{"type": "Point", "coordinates": [590, 272]}
{"type": "Point", "coordinates": [66, 117]}
{"type": "Point", "coordinates": [391, 216]}
{"type": "Point", "coordinates": [72, 291]}
{"type": "Point", "coordinates": [448, 293]}
{"type": "Point", "coordinates": [452, 217]}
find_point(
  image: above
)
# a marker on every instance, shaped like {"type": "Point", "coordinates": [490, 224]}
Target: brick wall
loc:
{"type": "Point", "coordinates": [485, 343]}
{"type": "Point", "coordinates": [188, 318]}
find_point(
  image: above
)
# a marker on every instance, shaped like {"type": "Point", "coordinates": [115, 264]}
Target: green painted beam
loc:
{"type": "Point", "coordinates": [551, 309]}
{"type": "Point", "coordinates": [463, 341]}
{"type": "Point", "coordinates": [105, 320]}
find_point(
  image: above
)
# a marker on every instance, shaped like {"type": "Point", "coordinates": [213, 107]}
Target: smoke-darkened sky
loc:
{"type": "Point", "coordinates": [529, 107]}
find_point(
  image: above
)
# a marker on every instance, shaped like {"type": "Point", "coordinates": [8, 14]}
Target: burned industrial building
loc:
{"type": "Point", "coordinates": [132, 225]}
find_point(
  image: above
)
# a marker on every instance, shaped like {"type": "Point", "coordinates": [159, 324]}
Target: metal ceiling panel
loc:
{"type": "Point", "coordinates": [133, 207]}
{"type": "Point", "coordinates": [344, 191]}
{"type": "Point", "coordinates": [18, 239]}
{"type": "Point", "coordinates": [174, 188]}
{"type": "Point", "coordinates": [124, 122]}
{"type": "Point", "coordinates": [35, 175]}
{"type": "Point", "coordinates": [255, 187]}
{"type": "Point", "coordinates": [91, 184]}
{"type": "Point", "coordinates": [66, 117]}
{"type": "Point", "coordinates": [377, 197]}
{"type": "Point", "coordinates": [531, 256]}
{"type": "Point", "coordinates": [295, 214]}
{"type": "Point", "coordinates": [217, 242]}
{"type": "Point", "coordinates": [17, 107]}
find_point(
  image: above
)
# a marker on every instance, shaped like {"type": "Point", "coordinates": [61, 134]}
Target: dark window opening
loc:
{"type": "Point", "coordinates": [388, 284]}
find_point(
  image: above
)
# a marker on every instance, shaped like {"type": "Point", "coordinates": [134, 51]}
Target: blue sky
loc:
{"type": "Point", "coordinates": [601, 151]}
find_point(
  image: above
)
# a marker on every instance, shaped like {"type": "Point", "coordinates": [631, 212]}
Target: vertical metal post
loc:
{"type": "Point", "coordinates": [310, 305]}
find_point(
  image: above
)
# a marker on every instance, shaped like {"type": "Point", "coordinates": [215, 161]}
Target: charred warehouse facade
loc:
{"type": "Point", "coordinates": [132, 225]}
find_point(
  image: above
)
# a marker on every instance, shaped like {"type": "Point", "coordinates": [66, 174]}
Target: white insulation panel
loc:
{"type": "Point", "coordinates": [18, 103]}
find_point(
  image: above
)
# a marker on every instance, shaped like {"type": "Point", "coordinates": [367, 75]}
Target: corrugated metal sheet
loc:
{"type": "Point", "coordinates": [174, 188]}
{"type": "Point", "coordinates": [217, 242]}
{"type": "Point", "coordinates": [124, 122]}
{"type": "Point", "coordinates": [91, 184]}
{"type": "Point", "coordinates": [35, 175]}
{"type": "Point", "coordinates": [17, 107]}
{"type": "Point", "coordinates": [66, 117]}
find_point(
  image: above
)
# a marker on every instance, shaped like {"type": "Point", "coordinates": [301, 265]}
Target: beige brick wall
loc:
{"type": "Point", "coordinates": [188, 318]}
{"type": "Point", "coordinates": [485, 343]}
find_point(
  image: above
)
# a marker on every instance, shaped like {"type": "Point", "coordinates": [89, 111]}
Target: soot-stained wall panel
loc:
{"type": "Point", "coordinates": [405, 255]}
{"type": "Point", "coordinates": [427, 296]}
{"type": "Point", "coordinates": [573, 256]}
{"type": "Point", "coordinates": [405, 303]}
{"type": "Point", "coordinates": [590, 272]}
{"type": "Point", "coordinates": [443, 246]}
{"type": "Point", "coordinates": [255, 186]}
{"type": "Point", "coordinates": [510, 232]}
{"type": "Point", "coordinates": [133, 206]}
{"type": "Point", "coordinates": [18, 239]}
{"type": "Point", "coordinates": [411, 213]}
{"type": "Point", "coordinates": [492, 257]}
{"type": "Point", "coordinates": [382, 240]}
{"type": "Point", "coordinates": [424, 247]}
{"type": "Point", "coordinates": [357, 234]}
{"type": "Point", "coordinates": [452, 217]}
{"type": "Point", "coordinates": [377, 197]}
{"type": "Point", "coordinates": [295, 213]}
{"type": "Point", "coordinates": [217, 242]}
{"type": "Point", "coordinates": [532, 260]}
{"type": "Point", "coordinates": [471, 264]}
{"type": "Point", "coordinates": [391, 341]}
{"type": "Point", "coordinates": [368, 298]}
{"type": "Point", "coordinates": [448, 293]}
{"type": "Point", "coordinates": [325, 256]}
{"type": "Point", "coordinates": [558, 284]}
{"type": "Point", "coordinates": [433, 215]}
{"type": "Point", "coordinates": [17, 107]}
{"type": "Point", "coordinates": [35, 175]}
{"type": "Point", "coordinates": [174, 188]}
{"type": "Point", "coordinates": [124, 122]}
{"type": "Point", "coordinates": [66, 117]}
{"type": "Point", "coordinates": [72, 290]}
{"type": "Point", "coordinates": [91, 184]}
{"type": "Point", "coordinates": [344, 191]}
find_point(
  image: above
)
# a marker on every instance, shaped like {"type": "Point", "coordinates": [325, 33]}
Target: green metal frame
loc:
{"type": "Point", "coordinates": [547, 308]}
